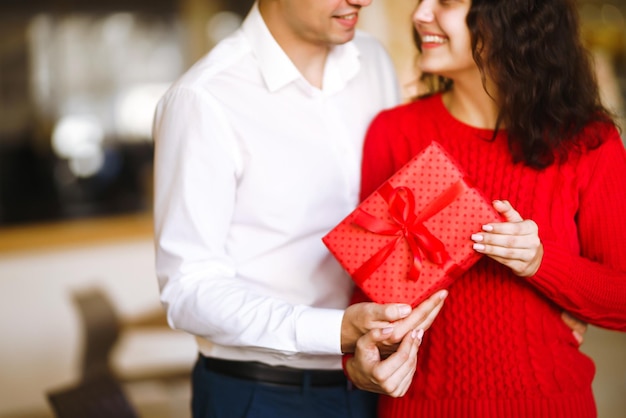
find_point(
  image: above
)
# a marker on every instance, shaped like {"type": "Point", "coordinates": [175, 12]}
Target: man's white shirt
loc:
{"type": "Point", "coordinates": [253, 165]}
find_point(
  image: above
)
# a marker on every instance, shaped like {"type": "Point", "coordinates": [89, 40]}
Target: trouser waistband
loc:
{"type": "Point", "coordinates": [278, 375]}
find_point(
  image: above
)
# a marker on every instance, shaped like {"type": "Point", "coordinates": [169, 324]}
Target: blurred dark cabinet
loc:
{"type": "Point", "coordinates": [67, 59]}
{"type": "Point", "coordinates": [65, 6]}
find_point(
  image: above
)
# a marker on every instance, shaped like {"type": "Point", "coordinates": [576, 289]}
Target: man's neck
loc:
{"type": "Point", "coordinates": [308, 57]}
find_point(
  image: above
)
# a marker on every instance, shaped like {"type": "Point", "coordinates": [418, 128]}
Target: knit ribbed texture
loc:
{"type": "Point", "coordinates": [499, 347]}
{"type": "Point", "coordinates": [572, 405]}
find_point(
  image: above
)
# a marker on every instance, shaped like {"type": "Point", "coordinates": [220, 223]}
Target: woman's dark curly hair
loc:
{"type": "Point", "coordinates": [547, 91]}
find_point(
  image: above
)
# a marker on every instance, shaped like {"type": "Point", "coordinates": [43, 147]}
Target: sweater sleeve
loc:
{"type": "Point", "coordinates": [592, 285]}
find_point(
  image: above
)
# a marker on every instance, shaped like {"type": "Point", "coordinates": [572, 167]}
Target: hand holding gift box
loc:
{"type": "Point", "coordinates": [411, 237]}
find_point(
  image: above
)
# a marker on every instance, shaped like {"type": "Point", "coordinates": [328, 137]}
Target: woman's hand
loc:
{"type": "Point", "coordinates": [514, 243]}
{"type": "Point", "coordinates": [385, 358]}
{"type": "Point", "coordinates": [422, 317]}
{"type": "Point", "coordinates": [389, 376]}
{"type": "Point", "coordinates": [394, 319]}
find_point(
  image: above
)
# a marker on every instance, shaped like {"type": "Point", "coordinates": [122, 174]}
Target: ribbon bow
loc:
{"type": "Point", "coordinates": [406, 225]}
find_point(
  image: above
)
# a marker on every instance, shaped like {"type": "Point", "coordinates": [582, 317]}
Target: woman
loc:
{"type": "Point", "coordinates": [514, 100]}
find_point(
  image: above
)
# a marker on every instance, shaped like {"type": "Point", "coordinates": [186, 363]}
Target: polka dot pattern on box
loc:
{"type": "Point", "coordinates": [429, 175]}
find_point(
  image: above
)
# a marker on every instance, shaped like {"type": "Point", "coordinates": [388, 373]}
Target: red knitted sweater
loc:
{"type": "Point", "coordinates": [499, 347]}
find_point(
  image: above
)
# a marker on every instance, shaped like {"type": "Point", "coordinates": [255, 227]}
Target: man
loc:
{"type": "Point", "coordinates": [258, 151]}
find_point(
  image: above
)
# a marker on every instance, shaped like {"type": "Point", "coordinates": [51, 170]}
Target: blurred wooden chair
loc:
{"type": "Point", "coordinates": [98, 393]}
{"type": "Point", "coordinates": [98, 397]}
{"type": "Point", "coordinates": [104, 370]}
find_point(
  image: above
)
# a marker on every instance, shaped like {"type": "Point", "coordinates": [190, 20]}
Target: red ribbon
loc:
{"type": "Point", "coordinates": [406, 225]}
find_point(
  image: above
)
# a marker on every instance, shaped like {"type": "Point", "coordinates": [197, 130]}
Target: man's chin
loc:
{"type": "Point", "coordinates": [343, 38]}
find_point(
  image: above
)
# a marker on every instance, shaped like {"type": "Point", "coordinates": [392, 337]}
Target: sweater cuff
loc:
{"type": "Point", "coordinates": [552, 274]}
{"type": "Point", "coordinates": [344, 362]}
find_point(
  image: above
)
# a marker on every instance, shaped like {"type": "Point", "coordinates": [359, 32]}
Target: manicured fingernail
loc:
{"type": "Point", "coordinates": [487, 228]}
{"type": "Point", "coordinates": [387, 330]}
{"type": "Point", "coordinates": [404, 310]}
{"type": "Point", "coordinates": [443, 294]}
{"type": "Point", "coordinates": [479, 247]}
{"type": "Point", "coordinates": [420, 334]}
{"type": "Point", "coordinates": [477, 237]}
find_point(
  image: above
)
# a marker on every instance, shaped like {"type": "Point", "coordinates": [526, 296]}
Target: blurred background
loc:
{"type": "Point", "coordinates": [78, 85]}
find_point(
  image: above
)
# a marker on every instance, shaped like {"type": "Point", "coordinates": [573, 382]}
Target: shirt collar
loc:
{"type": "Point", "coordinates": [277, 69]}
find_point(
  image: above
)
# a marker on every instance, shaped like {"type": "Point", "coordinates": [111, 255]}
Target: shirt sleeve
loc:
{"type": "Point", "coordinates": [592, 285]}
{"type": "Point", "coordinates": [196, 166]}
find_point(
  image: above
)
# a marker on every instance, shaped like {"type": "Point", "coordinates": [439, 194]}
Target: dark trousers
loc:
{"type": "Point", "coordinates": [218, 396]}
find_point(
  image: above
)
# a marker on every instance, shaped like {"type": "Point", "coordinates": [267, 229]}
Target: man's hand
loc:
{"type": "Point", "coordinates": [422, 317]}
{"type": "Point", "coordinates": [578, 327]}
{"type": "Point", "coordinates": [391, 376]}
{"type": "Point", "coordinates": [393, 319]}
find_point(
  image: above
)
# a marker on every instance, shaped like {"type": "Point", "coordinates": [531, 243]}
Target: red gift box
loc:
{"type": "Point", "coordinates": [411, 237]}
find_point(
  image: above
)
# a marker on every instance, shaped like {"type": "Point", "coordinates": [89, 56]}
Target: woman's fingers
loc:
{"type": "Point", "coordinates": [514, 243]}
